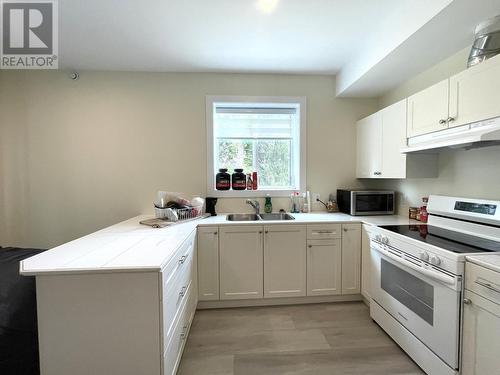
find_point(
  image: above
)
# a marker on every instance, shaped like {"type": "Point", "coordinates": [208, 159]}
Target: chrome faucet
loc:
{"type": "Point", "coordinates": [255, 204]}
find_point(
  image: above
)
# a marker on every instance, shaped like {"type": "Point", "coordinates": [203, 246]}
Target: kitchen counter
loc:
{"type": "Point", "coordinates": [130, 246]}
{"type": "Point", "coordinates": [490, 261]}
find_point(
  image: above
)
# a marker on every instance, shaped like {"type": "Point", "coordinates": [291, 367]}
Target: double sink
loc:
{"type": "Point", "coordinates": [259, 217]}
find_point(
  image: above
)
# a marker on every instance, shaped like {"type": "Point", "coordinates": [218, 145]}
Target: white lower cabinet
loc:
{"type": "Point", "coordinates": [241, 262]}
{"type": "Point", "coordinates": [481, 324]}
{"type": "Point", "coordinates": [365, 261]}
{"type": "Point", "coordinates": [208, 263]}
{"type": "Point", "coordinates": [351, 258]}
{"type": "Point", "coordinates": [324, 267]}
{"type": "Point", "coordinates": [284, 261]}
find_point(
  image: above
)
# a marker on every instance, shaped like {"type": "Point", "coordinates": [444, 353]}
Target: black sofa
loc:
{"type": "Point", "coordinates": [18, 324]}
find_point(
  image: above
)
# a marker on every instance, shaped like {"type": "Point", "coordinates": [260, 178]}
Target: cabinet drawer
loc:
{"type": "Point", "coordinates": [323, 231]}
{"type": "Point", "coordinates": [482, 281]}
{"type": "Point", "coordinates": [173, 351]}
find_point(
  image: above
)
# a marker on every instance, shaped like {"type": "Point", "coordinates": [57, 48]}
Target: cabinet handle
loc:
{"type": "Point", "coordinates": [488, 286]}
{"type": "Point", "coordinates": [266, 231]}
{"type": "Point", "coordinates": [450, 119]}
{"type": "Point", "coordinates": [183, 334]}
{"type": "Point", "coordinates": [467, 301]}
{"type": "Point", "coordinates": [441, 122]}
{"type": "Point", "coordinates": [182, 293]}
{"type": "Point", "coordinates": [182, 259]}
{"type": "Point", "coordinates": [309, 246]}
{"type": "Point", "coordinates": [377, 173]}
{"type": "Point", "coordinates": [260, 231]}
{"type": "Point", "coordinates": [324, 232]}
{"type": "Point", "coordinates": [215, 233]}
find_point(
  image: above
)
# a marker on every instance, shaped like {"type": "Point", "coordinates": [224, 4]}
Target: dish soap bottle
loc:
{"type": "Point", "coordinates": [268, 206]}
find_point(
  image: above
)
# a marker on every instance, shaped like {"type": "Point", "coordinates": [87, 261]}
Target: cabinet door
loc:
{"type": "Point", "coordinates": [474, 94]}
{"type": "Point", "coordinates": [208, 263]}
{"type": "Point", "coordinates": [351, 258]}
{"type": "Point", "coordinates": [324, 267]}
{"type": "Point", "coordinates": [428, 110]}
{"type": "Point", "coordinates": [284, 261]}
{"type": "Point", "coordinates": [369, 147]}
{"type": "Point", "coordinates": [393, 140]}
{"type": "Point", "coordinates": [241, 262]}
{"type": "Point", "coordinates": [365, 262]}
{"type": "Point", "coordinates": [481, 339]}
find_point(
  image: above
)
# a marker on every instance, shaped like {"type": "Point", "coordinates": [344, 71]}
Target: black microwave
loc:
{"type": "Point", "coordinates": [366, 202]}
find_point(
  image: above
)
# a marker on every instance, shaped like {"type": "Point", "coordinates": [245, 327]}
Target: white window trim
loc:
{"type": "Point", "coordinates": [210, 100]}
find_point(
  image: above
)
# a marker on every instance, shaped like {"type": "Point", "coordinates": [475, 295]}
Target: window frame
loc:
{"type": "Point", "coordinates": [302, 142]}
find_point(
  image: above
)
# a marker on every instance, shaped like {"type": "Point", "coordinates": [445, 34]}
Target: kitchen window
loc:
{"type": "Point", "coordinates": [262, 134]}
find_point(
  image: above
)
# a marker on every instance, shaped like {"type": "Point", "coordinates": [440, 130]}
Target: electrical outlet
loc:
{"type": "Point", "coordinates": [316, 196]}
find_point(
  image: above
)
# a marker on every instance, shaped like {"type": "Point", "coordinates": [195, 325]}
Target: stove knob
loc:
{"type": "Point", "coordinates": [378, 238]}
{"type": "Point", "coordinates": [435, 260]}
{"type": "Point", "coordinates": [385, 240]}
{"type": "Point", "coordinates": [424, 255]}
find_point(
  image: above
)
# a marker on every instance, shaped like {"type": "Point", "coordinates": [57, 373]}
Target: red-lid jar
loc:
{"type": "Point", "coordinates": [239, 179]}
{"type": "Point", "coordinates": [222, 180]}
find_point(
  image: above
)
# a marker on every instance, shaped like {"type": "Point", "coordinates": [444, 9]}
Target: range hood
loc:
{"type": "Point", "coordinates": [478, 134]}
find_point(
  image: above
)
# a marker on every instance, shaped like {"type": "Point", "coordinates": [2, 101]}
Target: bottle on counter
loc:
{"type": "Point", "coordinates": [268, 205]}
{"type": "Point", "coordinates": [254, 181]}
{"type": "Point", "coordinates": [249, 182]}
{"type": "Point", "coordinates": [222, 180]}
{"type": "Point", "coordinates": [239, 179]}
{"type": "Point", "coordinates": [424, 215]}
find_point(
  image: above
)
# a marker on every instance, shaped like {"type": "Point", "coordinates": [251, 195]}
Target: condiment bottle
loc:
{"type": "Point", "coordinates": [249, 181]}
{"type": "Point", "coordinates": [254, 181]}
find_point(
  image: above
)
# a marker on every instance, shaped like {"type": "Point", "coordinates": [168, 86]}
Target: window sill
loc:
{"type": "Point", "coordinates": [249, 193]}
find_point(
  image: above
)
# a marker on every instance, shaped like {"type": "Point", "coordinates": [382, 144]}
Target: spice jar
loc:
{"type": "Point", "coordinates": [413, 211]}
{"type": "Point", "coordinates": [222, 180]}
{"type": "Point", "coordinates": [239, 179]}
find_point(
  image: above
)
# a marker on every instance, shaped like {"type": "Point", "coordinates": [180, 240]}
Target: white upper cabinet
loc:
{"type": "Point", "coordinates": [393, 140]}
{"type": "Point", "coordinates": [380, 138]}
{"type": "Point", "coordinates": [474, 94]}
{"type": "Point", "coordinates": [284, 261]}
{"type": "Point", "coordinates": [428, 110]}
{"type": "Point", "coordinates": [369, 146]}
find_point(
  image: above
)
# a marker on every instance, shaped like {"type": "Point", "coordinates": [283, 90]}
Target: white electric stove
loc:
{"type": "Point", "coordinates": [417, 273]}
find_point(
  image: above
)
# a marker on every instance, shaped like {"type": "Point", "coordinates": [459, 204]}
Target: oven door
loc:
{"type": "Point", "coordinates": [372, 203]}
{"type": "Point", "coordinates": [424, 300]}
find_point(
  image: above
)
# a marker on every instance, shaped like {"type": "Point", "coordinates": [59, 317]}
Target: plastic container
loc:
{"type": "Point", "coordinates": [239, 179]}
{"type": "Point", "coordinates": [223, 180]}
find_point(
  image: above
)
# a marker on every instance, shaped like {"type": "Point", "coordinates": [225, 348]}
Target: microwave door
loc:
{"type": "Point", "coordinates": [372, 204]}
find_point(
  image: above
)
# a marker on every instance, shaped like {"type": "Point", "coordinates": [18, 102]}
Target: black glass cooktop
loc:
{"type": "Point", "coordinates": [446, 239]}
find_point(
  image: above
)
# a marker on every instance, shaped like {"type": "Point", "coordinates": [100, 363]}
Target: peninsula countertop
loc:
{"type": "Point", "coordinates": [131, 247]}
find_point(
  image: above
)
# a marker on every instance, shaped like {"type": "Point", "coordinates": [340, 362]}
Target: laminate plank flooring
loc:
{"type": "Point", "coordinates": [319, 339]}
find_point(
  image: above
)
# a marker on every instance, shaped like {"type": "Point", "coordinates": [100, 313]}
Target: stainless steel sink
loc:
{"type": "Point", "coordinates": [243, 217]}
{"type": "Point", "coordinates": [255, 217]}
{"type": "Point", "coordinates": [276, 216]}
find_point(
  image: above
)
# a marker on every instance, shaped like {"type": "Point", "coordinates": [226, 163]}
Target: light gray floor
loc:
{"type": "Point", "coordinates": [321, 339]}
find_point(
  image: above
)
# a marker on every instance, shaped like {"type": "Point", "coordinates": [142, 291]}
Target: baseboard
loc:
{"type": "Point", "coordinates": [421, 354]}
{"type": "Point", "coordinates": [277, 301]}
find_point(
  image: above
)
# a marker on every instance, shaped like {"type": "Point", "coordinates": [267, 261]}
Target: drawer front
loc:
{"type": "Point", "coordinates": [179, 258]}
{"type": "Point", "coordinates": [176, 286]}
{"type": "Point", "coordinates": [482, 281]}
{"type": "Point", "coordinates": [173, 351]}
{"type": "Point", "coordinates": [323, 231]}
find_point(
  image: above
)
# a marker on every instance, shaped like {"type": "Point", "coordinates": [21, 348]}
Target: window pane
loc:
{"type": "Point", "coordinates": [235, 153]}
{"type": "Point", "coordinates": [273, 162]}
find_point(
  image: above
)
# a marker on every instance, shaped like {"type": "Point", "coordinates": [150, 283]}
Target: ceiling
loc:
{"type": "Point", "coordinates": [345, 37]}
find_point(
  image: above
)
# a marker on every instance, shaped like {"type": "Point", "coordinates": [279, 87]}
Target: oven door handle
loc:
{"type": "Point", "coordinates": [431, 274]}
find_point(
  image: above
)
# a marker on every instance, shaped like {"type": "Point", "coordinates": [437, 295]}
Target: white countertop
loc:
{"type": "Point", "coordinates": [130, 246]}
{"type": "Point", "coordinates": [491, 261]}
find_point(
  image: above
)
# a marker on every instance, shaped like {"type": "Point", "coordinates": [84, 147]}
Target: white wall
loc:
{"type": "Point", "coordinates": [78, 156]}
{"type": "Point", "coordinates": [473, 173]}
